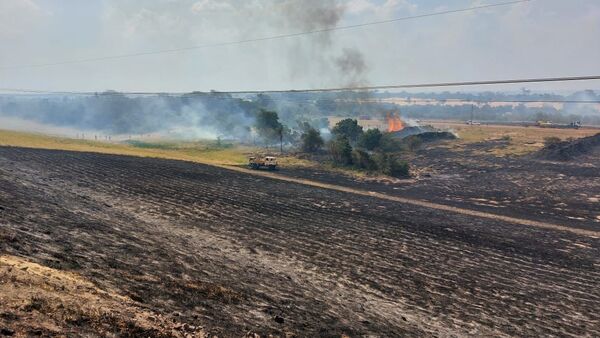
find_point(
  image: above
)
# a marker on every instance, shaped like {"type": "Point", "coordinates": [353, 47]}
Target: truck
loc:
{"type": "Point", "coordinates": [549, 124]}
{"type": "Point", "coordinates": [257, 162]}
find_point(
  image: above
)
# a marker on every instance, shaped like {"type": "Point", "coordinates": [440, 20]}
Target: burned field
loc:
{"type": "Point", "coordinates": [236, 253]}
{"type": "Point", "coordinates": [530, 186]}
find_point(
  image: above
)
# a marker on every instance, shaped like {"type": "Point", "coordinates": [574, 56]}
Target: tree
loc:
{"type": "Point", "coordinates": [370, 139]}
{"type": "Point", "coordinates": [341, 151]}
{"type": "Point", "coordinates": [311, 140]}
{"type": "Point", "coordinates": [268, 126]}
{"type": "Point", "coordinates": [348, 128]}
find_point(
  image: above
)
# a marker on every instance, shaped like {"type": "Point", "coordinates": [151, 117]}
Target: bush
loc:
{"type": "Point", "coordinates": [268, 126]}
{"type": "Point", "coordinates": [389, 144]}
{"type": "Point", "coordinates": [391, 166]}
{"type": "Point", "coordinates": [413, 142]}
{"type": "Point", "coordinates": [362, 160]}
{"type": "Point", "coordinates": [311, 140]}
{"type": "Point", "coordinates": [551, 141]}
{"type": "Point", "coordinates": [370, 139]}
{"type": "Point", "coordinates": [341, 151]}
{"type": "Point", "coordinates": [348, 128]}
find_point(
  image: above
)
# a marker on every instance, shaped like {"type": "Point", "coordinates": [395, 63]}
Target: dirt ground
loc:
{"type": "Point", "coordinates": [41, 301]}
{"type": "Point", "coordinates": [239, 254]}
{"type": "Point", "coordinates": [470, 176]}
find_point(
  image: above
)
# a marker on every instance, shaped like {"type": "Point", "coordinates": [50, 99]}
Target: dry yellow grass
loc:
{"type": "Point", "coordinates": [48, 302]}
{"type": "Point", "coordinates": [521, 140]}
{"type": "Point", "coordinates": [202, 152]}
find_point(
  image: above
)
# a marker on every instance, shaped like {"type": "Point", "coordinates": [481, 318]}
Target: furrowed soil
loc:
{"type": "Point", "coordinates": [469, 176]}
{"type": "Point", "coordinates": [236, 253]}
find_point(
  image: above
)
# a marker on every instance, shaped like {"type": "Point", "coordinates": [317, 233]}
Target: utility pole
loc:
{"type": "Point", "coordinates": [281, 140]}
{"type": "Point", "coordinates": [472, 107]}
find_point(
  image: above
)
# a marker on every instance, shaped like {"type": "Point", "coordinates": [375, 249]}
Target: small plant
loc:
{"type": "Point", "coordinates": [36, 303]}
{"type": "Point", "coordinates": [551, 141]}
{"type": "Point", "coordinates": [413, 142]}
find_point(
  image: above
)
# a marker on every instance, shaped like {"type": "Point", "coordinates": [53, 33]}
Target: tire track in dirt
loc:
{"type": "Point", "coordinates": [304, 251]}
{"type": "Point", "coordinates": [431, 205]}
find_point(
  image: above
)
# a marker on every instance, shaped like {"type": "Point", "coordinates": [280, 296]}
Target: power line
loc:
{"type": "Point", "coordinates": [334, 89]}
{"type": "Point", "coordinates": [219, 95]}
{"type": "Point", "coordinates": [266, 38]}
{"type": "Point", "coordinates": [428, 85]}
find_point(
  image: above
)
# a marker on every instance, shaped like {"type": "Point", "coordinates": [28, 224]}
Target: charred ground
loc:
{"type": "Point", "coordinates": [472, 177]}
{"type": "Point", "coordinates": [237, 253]}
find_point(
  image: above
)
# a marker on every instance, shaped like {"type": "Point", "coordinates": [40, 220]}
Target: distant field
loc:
{"type": "Point", "coordinates": [522, 140]}
{"type": "Point", "coordinates": [197, 151]}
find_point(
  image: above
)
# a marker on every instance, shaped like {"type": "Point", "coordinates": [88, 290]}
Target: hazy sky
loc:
{"type": "Point", "coordinates": [541, 38]}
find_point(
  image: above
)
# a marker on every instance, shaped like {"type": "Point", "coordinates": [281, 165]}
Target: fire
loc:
{"type": "Point", "coordinates": [394, 122]}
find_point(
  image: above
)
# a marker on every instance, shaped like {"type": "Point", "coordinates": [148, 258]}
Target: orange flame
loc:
{"type": "Point", "coordinates": [394, 122]}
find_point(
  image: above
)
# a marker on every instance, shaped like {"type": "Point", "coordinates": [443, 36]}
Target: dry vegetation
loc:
{"type": "Point", "coordinates": [41, 301]}
{"type": "Point", "coordinates": [139, 242]}
{"type": "Point", "coordinates": [202, 151]}
{"type": "Point", "coordinates": [521, 140]}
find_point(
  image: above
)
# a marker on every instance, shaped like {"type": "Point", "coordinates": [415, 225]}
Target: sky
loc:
{"type": "Point", "coordinates": [540, 38]}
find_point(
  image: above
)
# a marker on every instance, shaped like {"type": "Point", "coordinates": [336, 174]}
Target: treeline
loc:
{"type": "Point", "coordinates": [525, 95]}
{"type": "Point", "coordinates": [221, 114]}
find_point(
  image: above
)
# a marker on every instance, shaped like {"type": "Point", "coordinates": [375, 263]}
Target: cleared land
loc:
{"type": "Point", "coordinates": [238, 253]}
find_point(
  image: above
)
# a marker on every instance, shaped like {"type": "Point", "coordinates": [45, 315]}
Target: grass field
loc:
{"type": "Point", "coordinates": [198, 151]}
{"type": "Point", "coordinates": [521, 140]}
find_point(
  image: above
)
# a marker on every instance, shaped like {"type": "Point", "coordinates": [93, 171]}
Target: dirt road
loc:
{"type": "Point", "coordinates": [236, 253]}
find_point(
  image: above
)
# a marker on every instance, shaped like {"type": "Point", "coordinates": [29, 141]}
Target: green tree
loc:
{"type": "Point", "coordinates": [348, 128]}
{"type": "Point", "coordinates": [341, 150]}
{"type": "Point", "coordinates": [370, 139]}
{"type": "Point", "coordinates": [268, 126]}
{"type": "Point", "coordinates": [311, 140]}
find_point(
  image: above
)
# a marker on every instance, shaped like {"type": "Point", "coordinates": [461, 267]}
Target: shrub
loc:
{"type": "Point", "coordinates": [413, 142]}
{"type": "Point", "coordinates": [370, 139]}
{"type": "Point", "coordinates": [389, 144]}
{"type": "Point", "coordinates": [362, 160]}
{"type": "Point", "coordinates": [311, 140]}
{"type": "Point", "coordinates": [348, 128]}
{"type": "Point", "coordinates": [390, 165]}
{"type": "Point", "coordinates": [551, 141]}
{"type": "Point", "coordinates": [341, 151]}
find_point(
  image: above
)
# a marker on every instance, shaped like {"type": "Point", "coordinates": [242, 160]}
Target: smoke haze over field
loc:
{"type": "Point", "coordinates": [534, 39]}
{"type": "Point", "coordinates": [511, 41]}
